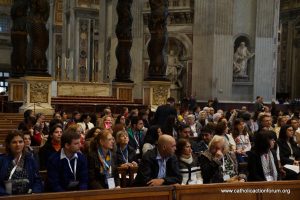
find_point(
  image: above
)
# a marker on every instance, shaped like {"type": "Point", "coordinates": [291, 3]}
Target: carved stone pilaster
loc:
{"type": "Point", "coordinates": [159, 37]}
{"type": "Point", "coordinates": [37, 94]}
{"type": "Point", "coordinates": [155, 93]}
{"type": "Point", "coordinates": [124, 35]}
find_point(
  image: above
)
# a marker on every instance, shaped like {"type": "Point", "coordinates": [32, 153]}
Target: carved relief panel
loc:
{"type": "Point", "coordinates": [39, 92]}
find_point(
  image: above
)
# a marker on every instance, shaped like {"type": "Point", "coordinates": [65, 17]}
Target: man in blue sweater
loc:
{"type": "Point", "coordinates": [67, 169]}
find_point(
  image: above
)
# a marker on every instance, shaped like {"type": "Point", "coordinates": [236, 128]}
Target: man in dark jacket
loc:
{"type": "Point", "coordinates": [164, 111]}
{"type": "Point", "coordinates": [159, 166]}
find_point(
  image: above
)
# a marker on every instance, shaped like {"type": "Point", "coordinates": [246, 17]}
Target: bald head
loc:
{"type": "Point", "coordinates": [166, 145]}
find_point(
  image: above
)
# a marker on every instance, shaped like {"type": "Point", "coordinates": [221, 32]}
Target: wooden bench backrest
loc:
{"type": "Point", "coordinates": [142, 193]}
{"type": "Point", "coordinates": [214, 191]}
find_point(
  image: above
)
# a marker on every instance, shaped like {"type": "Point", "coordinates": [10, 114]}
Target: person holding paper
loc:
{"type": "Point", "coordinates": [18, 170]}
{"type": "Point", "coordinates": [67, 169]}
{"type": "Point", "coordinates": [102, 169]}
{"type": "Point", "coordinates": [288, 150]}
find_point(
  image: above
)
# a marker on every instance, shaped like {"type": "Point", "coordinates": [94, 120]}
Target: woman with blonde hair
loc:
{"type": "Point", "coordinates": [218, 164]}
{"type": "Point", "coordinates": [101, 162]}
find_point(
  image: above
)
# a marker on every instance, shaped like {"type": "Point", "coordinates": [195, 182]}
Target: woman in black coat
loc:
{"type": "Point", "coordinates": [288, 150]}
{"type": "Point", "coordinates": [262, 160]}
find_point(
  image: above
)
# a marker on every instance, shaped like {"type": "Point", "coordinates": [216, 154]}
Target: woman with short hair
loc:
{"type": "Point", "coordinates": [218, 164]}
{"type": "Point", "coordinates": [188, 165]}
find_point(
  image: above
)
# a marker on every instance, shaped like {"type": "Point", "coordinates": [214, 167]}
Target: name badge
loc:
{"type": "Point", "coordinates": [73, 184]}
{"type": "Point", "coordinates": [8, 186]}
{"type": "Point", "coordinates": [111, 183]}
{"type": "Point", "coordinates": [269, 178]}
{"type": "Point", "coordinates": [137, 151]}
{"type": "Point", "coordinates": [226, 177]}
{"type": "Point", "coordinates": [292, 157]}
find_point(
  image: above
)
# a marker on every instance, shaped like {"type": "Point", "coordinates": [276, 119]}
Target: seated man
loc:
{"type": "Point", "coordinates": [159, 166]}
{"type": "Point", "coordinates": [67, 169]}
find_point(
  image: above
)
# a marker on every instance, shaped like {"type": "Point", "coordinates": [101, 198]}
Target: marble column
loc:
{"type": "Point", "coordinates": [267, 20]}
{"type": "Point", "coordinates": [124, 35]}
{"type": "Point", "coordinates": [159, 37]}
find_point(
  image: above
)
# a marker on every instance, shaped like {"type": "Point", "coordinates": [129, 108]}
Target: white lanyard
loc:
{"type": "Point", "coordinates": [15, 167]}
{"type": "Point", "coordinates": [289, 144]}
{"type": "Point", "coordinates": [75, 167]}
{"type": "Point", "coordinates": [223, 166]}
{"type": "Point", "coordinates": [135, 138]}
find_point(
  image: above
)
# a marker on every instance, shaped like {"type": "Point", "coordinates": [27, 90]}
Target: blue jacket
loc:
{"type": "Point", "coordinates": [35, 181]}
{"type": "Point", "coordinates": [59, 174]}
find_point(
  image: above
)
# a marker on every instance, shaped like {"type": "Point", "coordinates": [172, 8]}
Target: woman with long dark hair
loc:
{"type": "Point", "coordinates": [288, 150]}
{"type": "Point", "coordinates": [262, 159]}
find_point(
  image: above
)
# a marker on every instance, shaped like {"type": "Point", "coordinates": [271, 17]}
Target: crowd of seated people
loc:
{"type": "Point", "coordinates": [174, 145]}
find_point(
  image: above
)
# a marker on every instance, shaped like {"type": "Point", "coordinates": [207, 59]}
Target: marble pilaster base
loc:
{"type": "Point", "coordinates": [15, 89]}
{"type": "Point", "coordinates": [37, 94]}
{"type": "Point", "coordinates": [122, 91]}
{"type": "Point", "coordinates": [155, 93]}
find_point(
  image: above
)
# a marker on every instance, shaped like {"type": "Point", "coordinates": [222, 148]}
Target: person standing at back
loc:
{"type": "Point", "coordinates": [164, 111]}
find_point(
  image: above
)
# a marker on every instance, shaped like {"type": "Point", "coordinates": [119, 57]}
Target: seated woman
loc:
{"type": "Point", "coordinates": [242, 140]}
{"type": "Point", "coordinates": [288, 151]}
{"type": "Point", "coordinates": [51, 146]}
{"type": "Point", "coordinates": [188, 165]}
{"type": "Point", "coordinates": [262, 159]}
{"type": "Point", "coordinates": [101, 162]}
{"type": "Point", "coordinates": [218, 164]}
{"type": "Point", "coordinates": [126, 156]}
{"type": "Point", "coordinates": [18, 170]}
{"type": "Point", "coordinates": [151, 138]}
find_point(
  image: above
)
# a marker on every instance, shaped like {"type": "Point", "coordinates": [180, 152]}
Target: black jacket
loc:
{"type": "Point", "coordinates": [255, 168]}
{"type": "Point", "coordinates": [285, 152]}
{"type": "Point", "coordinates": [131, 156]}
{"type": "Point", "coordinates": [148, 169]}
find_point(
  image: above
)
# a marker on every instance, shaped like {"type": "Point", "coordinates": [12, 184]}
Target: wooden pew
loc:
{"type": "Point", "coordinates": [214, 191]}
{"type": "Point", "coordinates": [127, 175]}
{"type": "Point", "coordinates": [142, 193]}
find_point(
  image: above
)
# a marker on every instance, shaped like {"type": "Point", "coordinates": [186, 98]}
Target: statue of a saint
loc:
{"type": "Point", "coordinates": [240, 59]}
{"type": "Point", "coordinates": [174, 70]}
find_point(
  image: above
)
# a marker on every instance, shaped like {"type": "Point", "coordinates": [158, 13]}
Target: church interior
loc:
{"type": "Point", "coordinates": [99, 56]}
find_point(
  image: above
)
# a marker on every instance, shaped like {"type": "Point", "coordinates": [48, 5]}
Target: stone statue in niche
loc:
{"type": "Point", "coordinates": [174, 70]}
{"type": "Point", "coordinates": [240, 59]}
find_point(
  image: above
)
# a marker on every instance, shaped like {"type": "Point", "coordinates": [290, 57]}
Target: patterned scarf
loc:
{"type": "Point", "coordinates": [105, 163]}
{"type": "Point", "coordinates": [268, 164]}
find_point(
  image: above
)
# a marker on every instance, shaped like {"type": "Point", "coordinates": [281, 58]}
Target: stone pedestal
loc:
{"type": "Point", "coordinates": [122, 91]}
{"type": "Point", "coordinates": [155, 93]}
{"type": "Point", "coordinates": [15, 89]}
{"type": "Point", "coordinates": [37, 94]}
